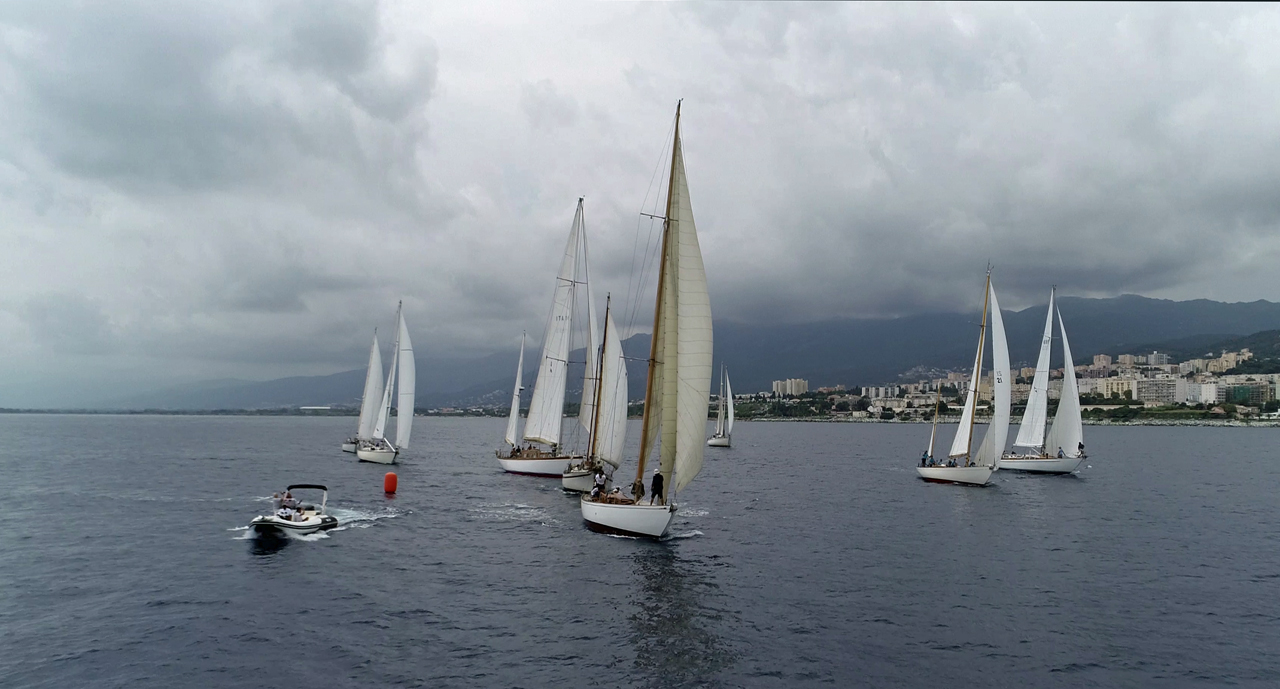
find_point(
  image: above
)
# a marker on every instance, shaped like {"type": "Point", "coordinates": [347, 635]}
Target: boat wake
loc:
{"type": "Point", "coordinates": [693, 513]}
{"type": "Point", "coordinates": [686, 534]}
{"type": "Point", "coordinates": [360, 519]}
{"type": "Point", "coordinates": [513, 512]}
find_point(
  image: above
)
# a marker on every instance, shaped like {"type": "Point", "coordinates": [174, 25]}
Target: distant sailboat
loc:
{"type": "Point", "coordinates": [1061, 449]}
{"type": "Point", "coordinates": [608, 416]}
{"type": "Point", "coordinates": [962, 465]}
{"type": "Point", "coordinates": [679, 380]}
{"type": "Point", "coordinates": [369, 400]}
{"type": "Point", "coordinates": [543, 425]}
{"type": "Point", "coordinates": [377, 448]}
{"type": "Point", "coordinates": [724, 413]}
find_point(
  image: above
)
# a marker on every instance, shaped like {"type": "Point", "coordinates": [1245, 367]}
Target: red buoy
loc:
{"type": "Point", "coordinates": [389, 482]}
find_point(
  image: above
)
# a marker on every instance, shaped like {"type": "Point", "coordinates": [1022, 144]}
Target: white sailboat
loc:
{"type": "Point", "coordinates": [377, 448]}
{"type": "Point", "coordinates": [724, 413]}
{"type": "Point", "coordinates": [679, 380]}
{"type": "Point", "coordinates": [608, 416]}
{"type": "Point", "coordinates": [963, 465]}
{"type": "Point", "coordinates": [1060, 450]}
{"type": "Point", "coordinates": [369, 399]}
{"type": "Point", "coordinates": [543, 455]}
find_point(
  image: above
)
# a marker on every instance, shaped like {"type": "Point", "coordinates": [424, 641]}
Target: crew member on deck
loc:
{"type": "Point", "coordinates": [656, 488]}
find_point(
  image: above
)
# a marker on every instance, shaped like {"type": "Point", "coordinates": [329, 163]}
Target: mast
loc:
{"type": "Point", "coordinates": [657, 310]}
{"type": "Point", "coordinates": [982, 335]}
{"type": "Point", "coordinates": [937, 403]}
{"type": "Point", "coordinates": [595, 412]}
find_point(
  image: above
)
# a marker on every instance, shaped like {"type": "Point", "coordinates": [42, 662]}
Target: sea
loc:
{"type": "Point", "coordinates": [807, 555]}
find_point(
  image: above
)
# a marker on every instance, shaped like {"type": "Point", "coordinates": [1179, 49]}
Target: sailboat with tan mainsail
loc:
{"type": "Point", "coordinates": [679, 378]}
{"type": "Point", "coordinates": [962, 464]}
{"type": "Point", "coordinates": [543, 454]}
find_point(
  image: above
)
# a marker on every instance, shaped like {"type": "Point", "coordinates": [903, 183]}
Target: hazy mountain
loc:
{"type": "Point", "coordinates": [849, 352]}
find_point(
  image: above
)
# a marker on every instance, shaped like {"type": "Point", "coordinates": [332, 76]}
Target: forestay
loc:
{"type": "Point", "coordinates": [612, 424]}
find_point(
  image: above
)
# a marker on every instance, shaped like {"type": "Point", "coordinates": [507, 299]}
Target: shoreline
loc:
{"type": "Point", "coordinates": [1232, 423]}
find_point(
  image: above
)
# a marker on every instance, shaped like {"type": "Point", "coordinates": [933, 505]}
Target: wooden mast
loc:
{"type": "Point", "coordinates": [595, 422]}
{"type": "Point", "coordinates": [638, 487]}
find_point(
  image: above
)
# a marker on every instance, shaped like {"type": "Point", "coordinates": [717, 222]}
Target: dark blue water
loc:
{"type": "Point", "coordinates": [807, 555]}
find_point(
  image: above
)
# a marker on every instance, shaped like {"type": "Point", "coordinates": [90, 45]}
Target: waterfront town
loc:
{"type": "Point", "coordinates": [1124, 387]}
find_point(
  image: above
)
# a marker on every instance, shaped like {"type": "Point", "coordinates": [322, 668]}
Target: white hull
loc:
{"type": "Point", "coordinates": [348, 447]}
{"type": "Point", "coordinates": [718, 441]}
{"type": "Point", "coordinates": [974, 476]}
{"type": "Point", "coordinates": [581, 481]}
{"type": "Point", "coordinates": [1043, 465]}
{"type": "Point", "coordinates": [315, 522]}
{"type": "Point", "coordinates": [628, 520]}
{"type": "Point", "coordinates": [539, 466]}
{"type": "Point", "coordinates": [377, 456]}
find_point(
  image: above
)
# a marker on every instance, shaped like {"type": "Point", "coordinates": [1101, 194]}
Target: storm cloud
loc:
{"type": "Point", "coordinates": [204, 190]}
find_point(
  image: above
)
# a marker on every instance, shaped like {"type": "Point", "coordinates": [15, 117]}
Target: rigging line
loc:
{"type": "Point", "coordinates": [633, 294]}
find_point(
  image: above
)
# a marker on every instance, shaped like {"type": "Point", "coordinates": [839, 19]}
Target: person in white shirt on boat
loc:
{"type": "Point", "coordinates": [1061, 454]}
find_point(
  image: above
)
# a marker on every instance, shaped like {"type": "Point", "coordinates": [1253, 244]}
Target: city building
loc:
{"type": "Point", "coordinates": [790, 387]}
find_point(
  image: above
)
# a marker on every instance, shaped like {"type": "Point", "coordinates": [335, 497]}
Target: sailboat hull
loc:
{"type": "Point", "coordinates": [718, 441]}
{"type": "Point", "coordinates": [581, 481]}
{"type": "Point", "coordinates": [649, 521]}
{"type": "Point", "coordinates": [348, 447]}
{"type": "Point", "coordinates": [972, 476]}
{"type": "Point", "coordinates": [379, 456]}
{"type": "Point", "coordinates": [1041, 465]}
{"type": "Point", "coordinates": [551, 467]}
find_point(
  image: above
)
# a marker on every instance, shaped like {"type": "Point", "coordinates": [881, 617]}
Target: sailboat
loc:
{"type": "Point", "coordinates": [1061, 449]}
{"type": "Point", "coordinates": [377, 448]}
{"type": "Point", "coordinates": [724, 413]}
{"type": "Point", "coordinates": [679, 378]}
{"type": "Point", "coordinates": [368, 400]}
{"type": "Point", "coordinates": [608, 416]}
{"type": "Point", "coordinates": [542, 456]}
{"type": "Point", "coordinates": [962, 464]}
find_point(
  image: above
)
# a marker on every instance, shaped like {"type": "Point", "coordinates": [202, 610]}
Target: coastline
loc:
{"type": "Point", "coordinates": [1232, 423]}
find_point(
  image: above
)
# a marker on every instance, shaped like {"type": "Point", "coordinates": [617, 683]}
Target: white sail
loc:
{"type": "Point", "coordinates": [720, 407]}
{"type": "Point", "coordinates": [688, 341]}
{"type": "Point", "coordinates": [1067, 432]}
{"type": "Point", "coordinates": [546, 408]}
{"type": "Point", "coordinates": [380, 426]}
{"type": "Point", "coordinates": [960, 444]}
{"type": "Point", "coordinates": [586, 410]}
{"type": "Point", "coordinates": [513, 419]}
{"type": "Point", "coordinates": [728, 391]}
{"type": "Point", "coordinates": [612, 424]}
{"type": "Point", "coordinates": [407, 384]}
{"type": "Point", "coordinates": [372, 392]}
{"type": "Point", "coordinates": [1031, 429]}
{"type": "Point", "coordinates": [998, 432]}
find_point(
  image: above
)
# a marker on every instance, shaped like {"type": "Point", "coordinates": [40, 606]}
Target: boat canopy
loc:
{"type": "Point", "coordinates": [314, 486]}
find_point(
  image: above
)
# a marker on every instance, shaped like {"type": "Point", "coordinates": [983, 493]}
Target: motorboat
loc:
{"type": "Point", "coordinates": [305, 519]}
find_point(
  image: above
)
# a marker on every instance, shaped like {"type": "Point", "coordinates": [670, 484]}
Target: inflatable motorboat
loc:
{"type": "Point", "coordinates": [302, 520]}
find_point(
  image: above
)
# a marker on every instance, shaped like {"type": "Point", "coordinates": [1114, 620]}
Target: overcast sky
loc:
{"type": "Point", "coordinates": [219, 189]}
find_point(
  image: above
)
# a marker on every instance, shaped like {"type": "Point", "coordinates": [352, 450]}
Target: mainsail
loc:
{"type": "Point", "coordinates": [513, 419]}
{"type": "Point", "coordinates": [1067, 432]}
{"type": "Point", "coordinates": [546, 408]}
{"type": "Point", "coordinates": [372, 392]}
{"type": "Point", "coordinates": [680, 371]}
{"type": "Point", "coordinates": [380, 426]}
{"type": "Point", "coordinates": [407, 384]}
{"type": "Point", "coordinates": [998, 432]}
{"type": "Point", "coordinates": [728, 391]}
{"type": "Point", "coordinates": [720, 407]}
{"type": "Point", "coordinates": [1031, 430]}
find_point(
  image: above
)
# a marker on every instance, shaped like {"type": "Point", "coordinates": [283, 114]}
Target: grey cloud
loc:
{"type": "Point", "coordinates": [546, 107]}
{"type": "Point", "coordinates": [69, 324]}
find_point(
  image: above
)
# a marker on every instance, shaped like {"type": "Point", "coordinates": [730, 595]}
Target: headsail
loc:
{"type": "Point", "coordinates": [728, 391]}
{"type": "Point", "coordinates": [546, 408]}
{"type": "Point", "coordinates": [720, 407]}
{"type": "Point", "coordinates": [1031, 430]}
{"type": "Point", "coordinates": [960, 444]}
{"type": "Point", "coordinates": [372, 392]}
{"type": "Point", "coordinates": [1067, 432]}
{"type": "Point", "coordinates": [998, 432]}
{"type": "Point", "coordinates": [407, 384]}
{"type": "Point", "coordinates": [513, 419]}
{"type": "Point", "coordinates": [586, 410]}
{"type": "Point", "coordinates": [380, 426]}
{"type": "Point", "coordinates": [611, 427]}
